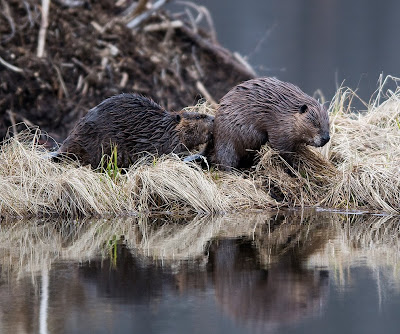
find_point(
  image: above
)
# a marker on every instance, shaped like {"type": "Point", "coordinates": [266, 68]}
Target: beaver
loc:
{"type": "Point", "coordinates": [265, 110]}
{"type": "Point", "coordinates": [136, 126]}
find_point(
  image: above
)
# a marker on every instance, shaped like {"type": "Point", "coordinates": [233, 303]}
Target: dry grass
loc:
{"type": "Point", "coordinates": [366, 151]}
{"type": "Point", "coordinates": [168, 183]}
{"type": "Point", "coordinates": [357, 169]}
{"type": "Point", "coordinates": [33, 185]}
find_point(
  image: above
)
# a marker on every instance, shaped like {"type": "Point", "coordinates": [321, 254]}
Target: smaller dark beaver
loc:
{"type": "Point", "coordinates": [136, 126]}
{"type": "Point", "coordinates": [265, 110]}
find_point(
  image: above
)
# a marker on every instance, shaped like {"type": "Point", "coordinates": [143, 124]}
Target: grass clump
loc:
{"type": "Point", "coordinates": [33, 185]}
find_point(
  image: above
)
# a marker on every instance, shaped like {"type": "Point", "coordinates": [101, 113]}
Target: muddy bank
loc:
{"type": "Point", "coordinates": [91, 54]}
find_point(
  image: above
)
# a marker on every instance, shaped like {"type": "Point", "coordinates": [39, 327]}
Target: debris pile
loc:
{"type": "Point", "coordinates": [57, 64]}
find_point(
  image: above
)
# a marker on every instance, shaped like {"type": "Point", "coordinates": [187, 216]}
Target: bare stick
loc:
{"type": "Point", "coordinates": [191, 19]}
{"type": "Point", "coordinates": [11, 67]}
{"type": "Point", "coordinates": [163, 26]}
{"type": "Point", "coordinates": [244, 62]}
{"type": "Point", "coordinates": [205, 93]}
{"type": "Point", "coordinates": [141, 7]}
{"type": "Point", "coordinates": [43, 28]}
{"type": "Point", "coordinates": [7, 14]}
{"type": "Point", "coordinates": [140, 18]}
{"type": "Point", "coordinates": [222, 54]}
{"type": "Point", "coordinates": [124, 80]}
{"type": "Point", "coordinates": [62, 83]}
{"type": "Point", "coordinates": [28, 11]}
{"type": "Point", "coordinates": [71, 3]}
{"type": "Point", "coordinates": [204, 11]}
{"type": "Point", "coordinates": [81, 65]}
{"type": "Point", "coordinates": [197, 63]}
{"type": "Point", "coordinates": [11, 115]}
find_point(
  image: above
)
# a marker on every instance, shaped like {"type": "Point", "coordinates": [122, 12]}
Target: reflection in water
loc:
{"type": "Point", "coordinates": [267, 298]}
{"type": "Point", "coordinates": [44, 301]}
{"type": "Point", "coordinates": [256, 273]}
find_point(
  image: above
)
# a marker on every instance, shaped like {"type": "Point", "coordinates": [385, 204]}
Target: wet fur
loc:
{"type": "Point", "coordinates": [136, 126]}
{"type": "Point", "coordinates": [265, 110]}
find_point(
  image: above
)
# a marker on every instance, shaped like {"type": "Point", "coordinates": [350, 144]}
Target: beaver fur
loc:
{"type": "Point", "coordinates": [265, 110]}
{"type": "Point", "coordinates": [136, 126]}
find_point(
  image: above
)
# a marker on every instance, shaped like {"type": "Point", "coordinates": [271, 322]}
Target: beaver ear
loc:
{"type": "Point", "coordinates": [303, 109]}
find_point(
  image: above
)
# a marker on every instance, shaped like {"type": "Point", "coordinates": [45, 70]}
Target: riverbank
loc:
{"type": "Point", "coordinates": [357, 170]}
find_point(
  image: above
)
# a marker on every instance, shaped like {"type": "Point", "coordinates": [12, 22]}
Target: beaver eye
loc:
{"type": "Point", "coordinates": [303, 109]}
{"type": "Point", "coordinates": [197, 117]}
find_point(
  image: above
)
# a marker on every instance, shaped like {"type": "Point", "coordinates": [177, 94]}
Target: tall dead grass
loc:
{"type": "Point", "coordinates": [357, 169]}
{"type": "Point", "coordinates": [33, 185]}
{"type": "Point", "coordinates": [365, 149]}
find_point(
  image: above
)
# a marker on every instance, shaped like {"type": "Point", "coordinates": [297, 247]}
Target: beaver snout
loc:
{"type": "Point", "coordinates": [320, 140]}
{"type": "Point", "coordinates": [324, 139]}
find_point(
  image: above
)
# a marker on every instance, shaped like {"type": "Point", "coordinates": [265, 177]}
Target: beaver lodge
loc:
{"type": "Point", "coordinates": [357, 170]}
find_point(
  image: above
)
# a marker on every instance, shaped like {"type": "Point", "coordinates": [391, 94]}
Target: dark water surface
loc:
{"type": "Point", "coordinates": [312, 43]}
{"type": "Point", "coordinates": [292, 273]}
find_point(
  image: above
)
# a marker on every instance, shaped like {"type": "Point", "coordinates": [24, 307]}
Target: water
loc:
{"type": "Point", "coordinates": [298, 272]}
{"type": "Point", "coordinates": [312, 43]}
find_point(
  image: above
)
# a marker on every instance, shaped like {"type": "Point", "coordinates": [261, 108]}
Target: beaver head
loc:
{"type": "Point", "coordinates": [311, 125]}
{"type": "Point", "coordinates": [194, 129]}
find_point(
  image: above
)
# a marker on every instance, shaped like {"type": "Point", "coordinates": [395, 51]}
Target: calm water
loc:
{"type": "Point", "coordinates": [292, 273]}
{"type": "Point", "coordinates": [312, 43]}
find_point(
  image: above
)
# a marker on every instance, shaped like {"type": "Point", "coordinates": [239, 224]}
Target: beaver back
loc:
{"type": "Point", "coordinates": [134, 124]}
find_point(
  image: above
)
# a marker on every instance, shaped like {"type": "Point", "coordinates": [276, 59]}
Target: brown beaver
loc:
{"type": "Point", "coordinates": [265, 110]}
{"type": "Point", "coordinates": [136, 126]}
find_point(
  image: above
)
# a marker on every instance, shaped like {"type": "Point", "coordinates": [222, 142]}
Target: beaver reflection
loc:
{"type": "Point", "coordinates": [265, 298]}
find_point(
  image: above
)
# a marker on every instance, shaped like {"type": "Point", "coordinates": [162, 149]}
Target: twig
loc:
{"type": "Point", "coordinates": [191, 19]}
{"type": "Point", "coordinates": [62, 83]}
{"type": "Point", "coordinates": [163, 26]}
{"type": "Point", "coordinates": [71, 3]}
{"type": "Point", "coordinates": [204, 11]}
{"type": "Point", "coordinates": [7, 14]}
{"type": "Point", "coordinates": [267, 33]}
{"type": "Point", "coordinates": [140, 18]}
{"type": "Point", "coordinates": [80, 83]}
{"type": "Point", "coordinates": [205, 93]}
{"type": "Point", "coordinates": [129, 10]}
{"type": "Point", "coordinates": [12, 120]}
{"type": "Point", "coordinates": [141, 7]}
{"type": "Point", "coordinates": [28, 11]}
{"type": "Point", "coordinates": [243, 61]}
{"type": "Point", "coordinates": [197, 63]}
{"type": "Point", "coordinates": [43, 28]}
{"type": "Point", "coordinates": [11, 67]}
{"type": "Point", "coordinates": [217, 51]}
{"type": "Point", "coordinates": [81, 65]}
{"type": "Point", "coordinates": [124, 80]}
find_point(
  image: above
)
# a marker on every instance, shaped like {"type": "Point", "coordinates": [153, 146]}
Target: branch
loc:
{"type": "Point", "coordinates": [43, 28]}
{"type": "Point", "coordinates": [140, 18]}
{"type": "Point", "coordinates": [11, 67]}
{"type": "Point", "coordinates": [219, 52]}
{"type": "Point", "coordinates": [7, 14]}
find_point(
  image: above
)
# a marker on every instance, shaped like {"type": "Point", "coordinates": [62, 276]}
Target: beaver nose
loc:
{"type": "Point", "coordinates": [325, 139]}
